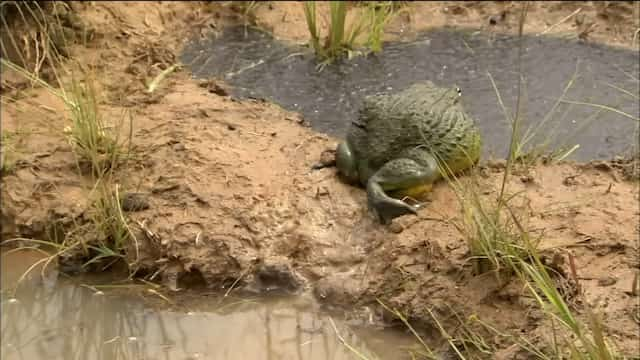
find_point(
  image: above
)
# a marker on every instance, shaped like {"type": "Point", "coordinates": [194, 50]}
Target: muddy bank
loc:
{"type": "Point", "coordinates": [233, 201]}
{"type": "Point", "coordinates": [234, 205]}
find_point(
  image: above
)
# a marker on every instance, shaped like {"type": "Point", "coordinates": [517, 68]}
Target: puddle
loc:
{"type": "Point", "coordinates": [56, 318]}
{"type": "Point", "coordinates": [259, 66]}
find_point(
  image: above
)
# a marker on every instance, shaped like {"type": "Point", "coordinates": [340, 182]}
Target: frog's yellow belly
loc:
{"type": "Point", "coordinates": [415, 192]}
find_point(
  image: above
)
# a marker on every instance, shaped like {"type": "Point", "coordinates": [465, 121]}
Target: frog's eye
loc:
{"type": "Point", "coordinates": [459, 91]}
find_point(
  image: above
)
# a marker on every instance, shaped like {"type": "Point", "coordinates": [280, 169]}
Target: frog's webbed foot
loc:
{"type": "Point", "coordinates": [385, 207]}
{"type": "Point", "coordinates": [398, 174]}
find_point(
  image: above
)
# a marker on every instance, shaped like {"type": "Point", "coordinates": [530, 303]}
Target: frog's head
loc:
{"type": "Point", "coordinates": [445, 96]}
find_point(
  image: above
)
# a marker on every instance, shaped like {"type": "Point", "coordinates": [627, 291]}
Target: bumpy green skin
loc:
{"type": "Point", "coordinates": [399, 140]}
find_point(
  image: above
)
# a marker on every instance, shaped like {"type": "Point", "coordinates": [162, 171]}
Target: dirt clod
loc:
{"type": "Point", "coordinates": [275, 276]}
{"type": "Point", "coordinates": [214, 87]}
{"type": "Point", "coordinates": [607, 281]}
{"type": "Point", "coordinates": [134, 202]}
{"type": "Point", "coordinates": [327, 159]}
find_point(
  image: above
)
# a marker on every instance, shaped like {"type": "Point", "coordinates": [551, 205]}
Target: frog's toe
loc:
{"type": "Point", "coordinates": [388, 209]}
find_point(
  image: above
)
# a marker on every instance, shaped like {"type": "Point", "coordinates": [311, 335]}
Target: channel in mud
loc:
{"type": "Point", "coordinates": [258, 66]}
{"type": "Point", "coordinates": [52, 317]}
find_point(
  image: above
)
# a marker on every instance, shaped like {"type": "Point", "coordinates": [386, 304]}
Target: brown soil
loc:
{"type": "Point", "coordinates": [612, 22]}
{"type": "Point", "coordinates": [232, 194]}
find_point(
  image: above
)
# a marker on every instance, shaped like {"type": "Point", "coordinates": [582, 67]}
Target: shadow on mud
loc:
{"type": "Point", "coordinates": [260, 67]}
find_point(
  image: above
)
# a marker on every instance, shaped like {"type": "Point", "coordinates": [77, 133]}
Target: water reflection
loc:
{"type": "Point", "coordinates": [67, 321]}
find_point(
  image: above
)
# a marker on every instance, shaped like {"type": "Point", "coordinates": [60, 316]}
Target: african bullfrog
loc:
{"type": "Point", "coordinates": [401, 143]}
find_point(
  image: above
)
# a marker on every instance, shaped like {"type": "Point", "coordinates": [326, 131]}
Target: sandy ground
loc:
{"type": "Point", "coordinates": [234, 202]}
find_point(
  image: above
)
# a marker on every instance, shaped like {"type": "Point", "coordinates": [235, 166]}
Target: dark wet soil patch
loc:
{"type": "Point", "coordinates": [257, 66]}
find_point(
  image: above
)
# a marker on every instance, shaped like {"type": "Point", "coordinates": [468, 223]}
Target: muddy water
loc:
{"type": "Point", "coordinates": [259, 66]}
{"type": "Point", "coordinates": [52, 317]}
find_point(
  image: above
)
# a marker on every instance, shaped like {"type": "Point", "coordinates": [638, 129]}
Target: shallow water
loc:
{"type": "Point", "coordinates": [55, 318]}
{"type": "Point", "coordinates": [259, 66]}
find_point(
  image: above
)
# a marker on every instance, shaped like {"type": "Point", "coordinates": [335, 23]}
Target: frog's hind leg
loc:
{"type": "Point", "coordinates": [395, 176]}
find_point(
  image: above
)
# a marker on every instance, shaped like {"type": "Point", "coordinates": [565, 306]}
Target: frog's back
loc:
{"type": "Point", "coordinates": [420, 116]}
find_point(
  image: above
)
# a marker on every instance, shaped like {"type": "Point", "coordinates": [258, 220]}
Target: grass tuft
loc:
{"type": "Point", "coordinates": [340, 40]}
{"type": "Point", "coordinates": [379, 14]}
{"type": "Point", "coordinates": [492, 237]}
{"type": "Point", "coordinates": [498, 240]}
{"type": "Point", "coordinates": [97, 148]}
{"type": "Point", "coordinates": [112, 235]}
{"type": "Point", "coordinates": [102, 235]}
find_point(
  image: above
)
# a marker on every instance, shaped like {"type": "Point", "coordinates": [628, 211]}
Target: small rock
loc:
{"type": "Point", "coordinates": [496, 164]}
{"type": "Point", "coordinates": [455, 10]}
{"type": "Point", "coordinates": [527, 179]}
{"type": "Point", "coordinates": [157, 189]}
{"type": "Point", "coordinates": [602, 165]}
{"type": "Point", "coordinates": [277, 276]}
{"type": "Point", "coordinates": [570, 180]}
{"type": "Point", "coordinates": [214, 88]}
{"type": "Point", "coordinates": [396, 228]}
{"type": "Point", "coordinates": [134, 202]}
{"type": "Point", "coordinates": [607, 281]}
{"type": "Point", "coordinates": [42, 154]}
{"type": "Point", "coordinates": [179, 147]}
{"type": "Point", "coordinates": [327, 159]}
{"type": "Point", "coordinates": [498, 18]}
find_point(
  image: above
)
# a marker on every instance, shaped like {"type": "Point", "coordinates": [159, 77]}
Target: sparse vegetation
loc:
{"type": "Point", "coordinates": [378, 13]}
{"type": "Point", "coordinates": [341, 40]}
{"type": "Point", "coordinates": [102, 240]}
{"type": "Point", "coordinates": [95, 145]}
{"type": "Point", "coordinates": [108, 227]}
{"type": "Point", "coordinates": [500, 235]}
{"type": "Point", "coordinates": [499, 241]}
{"type": "Point", "coordinates": [492, 236]}
{"type": "Point", "coordinates": [99, 145]}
